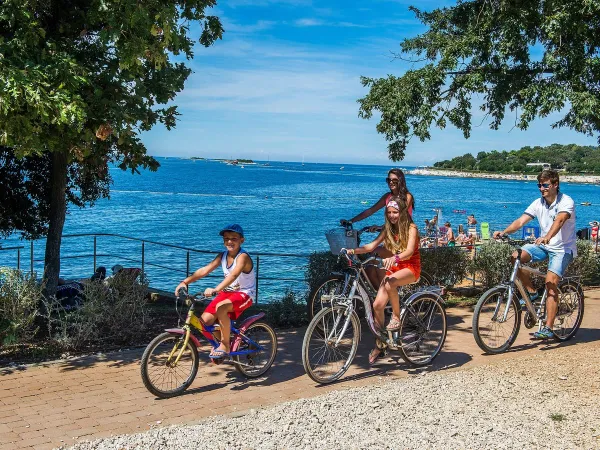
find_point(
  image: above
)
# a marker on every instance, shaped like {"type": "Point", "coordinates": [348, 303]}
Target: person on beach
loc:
{"type": "Point", "coordinates": [234, 294]}
{"type": "Point", "coordinates": [400, 237]}
{"type": "Point", "coordinates": [555, 213]}
{"type": "Point", "coordinates": [462, 238]}
{"type": "Point", "coordinates": [448, 239]}
{"type": "Point", "coordinates": [397, 185]}
{"type": "Point", "coordinates": [471, 221]}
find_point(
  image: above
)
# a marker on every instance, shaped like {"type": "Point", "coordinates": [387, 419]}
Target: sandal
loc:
{"type": "Point", "coordinates": [218, 354]}
{"type": "Point", "coordinates": [394, 325]}
{"type": "Point", "coordinates": [374, 355]}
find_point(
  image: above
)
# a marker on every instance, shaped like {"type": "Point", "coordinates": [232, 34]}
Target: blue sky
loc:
{"type": "Point", "coordinates": [283, 85]}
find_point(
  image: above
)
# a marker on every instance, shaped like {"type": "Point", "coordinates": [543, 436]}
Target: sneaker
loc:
{"type": "Point", "coordinates": [544, 333]}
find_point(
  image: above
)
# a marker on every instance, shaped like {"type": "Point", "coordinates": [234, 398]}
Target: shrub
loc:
{"type": "Point", "coordinates": [492, 263]}
{"type": "Point", "coordinates": [19, 297]}
{"type": "Point", "coordinates": [114, 312]}
{"type": "Point", "coordinates": [288, 312]}
{"type": "Point", "coordinates": [321, 264]}
{"type": "Point", "coordinates": [586, 264]}
{"type": "Point", "coordinates": [446, 265]}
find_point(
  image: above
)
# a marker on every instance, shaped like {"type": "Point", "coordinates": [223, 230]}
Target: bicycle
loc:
{"type": "Point", "coordinates": [335, 284]}
{"type": "Point", "coordinates": [497, 316]}
{"type": "Point", "coordinates": [170, 362]}
{"type": "Point", "coordinates": [331, 339]}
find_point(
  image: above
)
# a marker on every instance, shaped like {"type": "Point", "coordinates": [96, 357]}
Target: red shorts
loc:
{"type": "Point", "coordinates": [414, 268]}
{"type": "Point", "coordinates": [240, 301]}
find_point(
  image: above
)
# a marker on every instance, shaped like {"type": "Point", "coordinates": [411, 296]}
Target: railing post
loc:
{"type": "Point", "coordinates": [18, 259]}
{"type": "Point", "coordinates": [94, 253]}
{"type": "Point", "coordinates": [187, 269]}
{"type": "Point", "coordinates": [31, 258]}
{"type": "Point", "coordinates": [257, 271]}
{"type": "Point", "coordinates": [143, 255]}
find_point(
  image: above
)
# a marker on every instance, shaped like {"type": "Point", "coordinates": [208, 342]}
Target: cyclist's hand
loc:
{"type": "Point", "coordinates": [344, 222]}
{"type": "Point", "coordinates": [180, 286]}
{"type": "Point", "coordinates": [388, 262]}
{"type": "Point", "coordinates": [209, 292]}
{"type": "Point", "coordinates": [498, 234]}
{"type": "Point", "coordinates": [374, 229]}
{"type": "Point", "coordinates": [542, 240]}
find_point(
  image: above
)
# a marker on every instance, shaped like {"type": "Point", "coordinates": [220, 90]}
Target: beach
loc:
{"type": "Point", "coordinates": [585, 179]}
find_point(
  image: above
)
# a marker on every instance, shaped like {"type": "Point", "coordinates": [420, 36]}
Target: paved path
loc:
{"type": "Point", "coordinates": [60, 403]}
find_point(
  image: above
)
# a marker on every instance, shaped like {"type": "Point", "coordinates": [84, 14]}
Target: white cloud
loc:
{"type": "Point", "coordinates": [309, 23]}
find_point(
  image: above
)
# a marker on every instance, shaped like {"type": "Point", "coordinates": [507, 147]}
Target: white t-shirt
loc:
{"type": "Point", "coordinates": [565, 239]}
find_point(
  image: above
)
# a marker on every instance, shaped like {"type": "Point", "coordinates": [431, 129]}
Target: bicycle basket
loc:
{"type": "Point", "coordinates": [340, 238]}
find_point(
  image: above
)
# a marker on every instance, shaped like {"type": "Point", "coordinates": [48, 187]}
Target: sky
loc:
{"type": "Point", "coordinates": [283, 85]}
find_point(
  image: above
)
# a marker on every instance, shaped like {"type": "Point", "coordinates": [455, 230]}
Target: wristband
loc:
{"type": "Point", "coordinates": [397, 258]}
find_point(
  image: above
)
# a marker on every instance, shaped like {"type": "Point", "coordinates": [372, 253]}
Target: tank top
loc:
{"type": "Point", "coordinates": [410, 208]}
{"type": "Point", "coordinates": [245, 282]}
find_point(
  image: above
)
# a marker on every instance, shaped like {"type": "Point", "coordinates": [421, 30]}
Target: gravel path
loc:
{"type": "Point", "coordinates": [550, 400]}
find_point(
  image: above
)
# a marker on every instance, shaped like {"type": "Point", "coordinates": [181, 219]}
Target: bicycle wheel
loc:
{"type": "Point", "coordinates": [570, 310]}
{"type": "Point", "coordinates": [320, 297]}
{"type": "Point", "coordinates": [326, 353]}
{"type": "Point", "coordinates": [161, 376]}
{"type": "Point", "coordinates": [256, 364]}
{"type": "Point", "coordinates": [423, 330]}
{"type": "Point", "coordinates": [491, 332]}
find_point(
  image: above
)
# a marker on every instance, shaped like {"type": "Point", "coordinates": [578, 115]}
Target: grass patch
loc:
{"type": "Point", "coordinates": [557, 417]}
{"type": "Point", "coordinates": [460, 301]}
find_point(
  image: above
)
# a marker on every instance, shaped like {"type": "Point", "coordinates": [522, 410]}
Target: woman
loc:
{"type": "Point", "coordinates": [397, 184]}
{"type": "Point", "coordinates": [400, 237]}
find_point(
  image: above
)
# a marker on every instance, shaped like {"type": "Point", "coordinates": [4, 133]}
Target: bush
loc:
{"type": "Point", "coordinates": [19, 297]}
{"type": "Point", "coordinates": [114, 312]}
{"type": "Point", "coordinates": [321, 264]}
{"type": "Point", "coordinates": [446, 265]}
{"type": "Point", "coordinates": [288, 312]}
{"type": "Point", "coordinates": [586, 264]}
{"type": "Point", "coordinates": [492, 263]}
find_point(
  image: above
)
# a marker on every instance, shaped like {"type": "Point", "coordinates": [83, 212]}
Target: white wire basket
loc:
{"type": "Point", "coordinates": [340, 238]}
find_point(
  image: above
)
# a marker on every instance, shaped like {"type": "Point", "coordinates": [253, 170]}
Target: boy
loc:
{"type": "Point", "coordinates": [235, 293]}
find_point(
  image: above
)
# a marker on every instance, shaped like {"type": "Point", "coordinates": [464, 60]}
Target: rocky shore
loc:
{"type": "Point", "coordinates": [585, 179]}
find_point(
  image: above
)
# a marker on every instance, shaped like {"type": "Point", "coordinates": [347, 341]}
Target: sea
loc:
{"type": "Point", "coordinates": [285, 208]}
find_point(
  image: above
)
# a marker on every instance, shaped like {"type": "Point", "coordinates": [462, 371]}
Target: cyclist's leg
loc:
{"type": "Point", "coordinates": [392, 283]}
{"type": "Point", "coordinates": [533, 253]}
{"type": "Point", "coordinates": [379, 304]}
{"type": "Point", "coordinates": [218, 310]}
{"type": "Point", "coordinates": [557, 265]}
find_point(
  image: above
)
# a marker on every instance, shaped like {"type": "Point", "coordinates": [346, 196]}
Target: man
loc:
{"type": "Point", "coordinates": [555, 213]}
{"type": "Point", "coordinates": [471, 221]}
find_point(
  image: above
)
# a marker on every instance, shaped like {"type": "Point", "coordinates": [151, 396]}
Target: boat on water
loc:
{"type": "Point", "coordinates": [459, 211]}
{"type": "Point", "coordinates": [586, 203]}
{"type": "Point", "coordinates": [342, 168]}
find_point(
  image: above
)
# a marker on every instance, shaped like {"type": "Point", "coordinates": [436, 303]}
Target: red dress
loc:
{"type": "Point", "coordinates": [413, 264]}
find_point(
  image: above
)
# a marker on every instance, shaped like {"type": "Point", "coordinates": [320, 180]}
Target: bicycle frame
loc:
{"type": "Point", "coordinates": [360, 288]}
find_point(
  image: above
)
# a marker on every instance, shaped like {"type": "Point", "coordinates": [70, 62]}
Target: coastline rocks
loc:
{"type": "Point", "coordinates": [585, 179]}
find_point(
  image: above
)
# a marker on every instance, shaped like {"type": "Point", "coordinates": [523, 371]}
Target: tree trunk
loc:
{"type": "Point", "coordinates": [58, 211]}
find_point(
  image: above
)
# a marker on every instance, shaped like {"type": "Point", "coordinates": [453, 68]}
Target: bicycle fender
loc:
{"type": "Point", "coordinates": [432, 292]}
{"type": "Point", "coordinates": [243, 327]}
{"type": "Point", "coordinates": [182, 332]}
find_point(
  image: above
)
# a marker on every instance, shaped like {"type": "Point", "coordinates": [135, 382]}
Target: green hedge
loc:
{"type": "Point", "coordinates": [19, 297]}
{"type": "Point", "coordinates": [492, 264]}
{"type": "Point", "coordinates": [447, 265]}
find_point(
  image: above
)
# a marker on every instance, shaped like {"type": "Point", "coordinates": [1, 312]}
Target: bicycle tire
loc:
{"type": "Point", "coordinates": [414, 337]}
{"type": "Point", "coordinates": [170, 374]}
{"type": "Point", "coordinates": [330, 285]}
{"type": "Point", "coordinates": [569, 291]}
{"type": "Point", "coordinates": [271, 351]}
{"type": "Point", "coordinates": [483, 308]}
{"type": "Point", "coordinates": [318, 330]}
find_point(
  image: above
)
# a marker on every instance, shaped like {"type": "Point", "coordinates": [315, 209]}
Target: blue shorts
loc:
{"type": "Point", "coordinates": [557, 261]}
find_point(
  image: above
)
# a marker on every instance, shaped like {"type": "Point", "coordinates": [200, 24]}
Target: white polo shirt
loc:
{"type": "Point", "coordinates": [565, 240]}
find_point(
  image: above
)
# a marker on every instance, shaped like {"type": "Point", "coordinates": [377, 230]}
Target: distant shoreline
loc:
{"type": "Point", "coordinates": [583, 179]}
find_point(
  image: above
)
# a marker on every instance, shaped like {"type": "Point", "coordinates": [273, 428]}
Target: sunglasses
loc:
{"type": "Point", "coordinates": [392, 180]}
{"type": "Point", "coordinates": [544, 185]}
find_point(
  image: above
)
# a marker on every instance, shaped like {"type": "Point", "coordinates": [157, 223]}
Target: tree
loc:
{"type": "Point", "coordinates": [81, 79]}
{"type": "Point", "coordinates": [532, 58]}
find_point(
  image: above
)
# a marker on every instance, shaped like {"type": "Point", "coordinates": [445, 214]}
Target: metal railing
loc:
{"type": "Point", "coordinates": [143, 260]}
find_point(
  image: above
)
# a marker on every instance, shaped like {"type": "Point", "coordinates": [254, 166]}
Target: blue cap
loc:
{"type": "Point", "coordinates": [233, 227]}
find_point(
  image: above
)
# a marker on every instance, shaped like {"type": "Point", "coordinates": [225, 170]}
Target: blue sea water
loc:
{"type": "Point", "coordinates": [284, 207]}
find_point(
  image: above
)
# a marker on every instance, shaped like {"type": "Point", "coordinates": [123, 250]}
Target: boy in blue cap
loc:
{"type": "Point", "coordinates": [235, 293]}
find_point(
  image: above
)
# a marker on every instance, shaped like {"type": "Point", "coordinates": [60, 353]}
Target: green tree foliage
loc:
{"type": "Point", "coordinates": [531, 58]}
{"type": "Point", "coordinates": [572, 158]}
{"type": "Point", "coordinates": [81, 79]}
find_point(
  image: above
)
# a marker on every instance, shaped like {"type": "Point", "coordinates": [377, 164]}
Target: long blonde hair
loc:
{"type": "Point", "coordinates": [396, 236]}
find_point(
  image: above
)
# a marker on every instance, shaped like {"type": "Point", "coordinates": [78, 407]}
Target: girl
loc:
{"type": "Point", "coordinates": [400, 237]}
